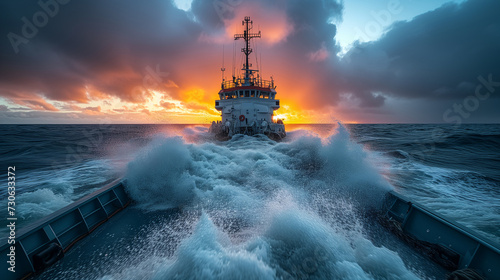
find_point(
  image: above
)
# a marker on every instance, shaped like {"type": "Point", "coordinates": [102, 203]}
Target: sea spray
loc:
{"type": "Point", "coordinates": [268, 210]}
{"type": "Point", "coordinates": [294, 243]}
{"type": "Point", "coordinates": [41, 203]}
{"type": "Point", "coordinates": [346, 166]}
{"type": "Point", "coordinates": [206, 254]}
{"type": "Point", "coordinates": [460, 179]}
{"type": "Point", "coordinates": [43, 192]}
{"type": "Point", "coordinates": [160, 175]}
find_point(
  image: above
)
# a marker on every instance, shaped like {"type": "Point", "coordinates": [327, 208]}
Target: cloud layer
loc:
{"type": "Point", "coordinates": [436, 58]}
{"type": "Point", "coordinates": [121, 59]}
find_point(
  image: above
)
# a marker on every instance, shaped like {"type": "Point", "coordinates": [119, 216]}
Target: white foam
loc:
{"type": "Point", "coordinates": [159, 175]}
{"type": "Point", "coordinates": [460, 195]}
{"type": "Point", "coordinates": [348, 166]}
{"type": "Point", "coordinates": [46, 191]}
{"type": "Point", "coordinates": [294, 244]}
{"type": "Point", "coordinates": [206, 255]}
{"type": "Point", "coordinates": [267, 210]}
{"type": "Point", "coordinates": [37, 204]}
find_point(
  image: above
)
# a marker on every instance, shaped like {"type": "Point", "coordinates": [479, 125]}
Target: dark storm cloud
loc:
{"type": "Point", "coordinates": [212, 13]}
{"type": "Point", "coordinates": [86, 48]}
{"type": "Point", "coordinates": [304, 62]}
{"type": "Point", "coordinates": [310, 20]}
{"type": "Point", "coordinates": [91, 49]}
{"type": "Point", "coordinates": [438, 56]}
{"type": "Point", "coordinates": [88, 45]}
{"type": "Point", "coordinates": [311, 23]}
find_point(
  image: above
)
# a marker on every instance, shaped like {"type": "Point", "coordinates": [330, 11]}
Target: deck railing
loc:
{"type": "Point", "coordinates": [251, 82]}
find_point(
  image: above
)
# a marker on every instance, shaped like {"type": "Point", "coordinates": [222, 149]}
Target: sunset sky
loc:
{"type": "Point", "coordinates": [123, 61]}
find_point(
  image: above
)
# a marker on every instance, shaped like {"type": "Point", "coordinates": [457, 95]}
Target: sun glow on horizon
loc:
{"type": "Point", "coordinates": [167, 93]}
{"type": "Point", "coordinates": [279, 117]}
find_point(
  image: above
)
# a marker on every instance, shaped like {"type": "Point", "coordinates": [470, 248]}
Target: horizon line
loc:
{"type": "Point", "coordinates": [350, 123]}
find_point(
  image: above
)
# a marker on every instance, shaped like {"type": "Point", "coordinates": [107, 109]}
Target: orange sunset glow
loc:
{"type": "Point", "coordinates": [181, 83]}
{"type": "Point", "coordinates": [161, 62]}
{"type": "Point", "coordinates": [189, 97]}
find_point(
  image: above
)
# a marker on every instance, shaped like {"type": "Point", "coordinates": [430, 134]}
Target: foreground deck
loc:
{"type": "Point", "coordinates": [42, 243]}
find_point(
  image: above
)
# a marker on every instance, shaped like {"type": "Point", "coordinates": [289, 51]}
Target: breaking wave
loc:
{"type": "Point", "coordinates": [264, 210]}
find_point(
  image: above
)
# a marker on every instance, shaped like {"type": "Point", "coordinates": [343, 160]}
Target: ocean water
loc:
{"type": "Point", "coordinates": [251, 208]}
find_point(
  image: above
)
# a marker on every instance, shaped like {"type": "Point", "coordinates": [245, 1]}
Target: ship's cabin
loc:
{"type": "Point", "coordinates": [247, 93]}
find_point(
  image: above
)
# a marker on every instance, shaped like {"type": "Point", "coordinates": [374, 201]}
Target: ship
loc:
{"type": "Point", "coordinates": [92, 226]}
{"type": "Point", "coordinates": [247, 102]}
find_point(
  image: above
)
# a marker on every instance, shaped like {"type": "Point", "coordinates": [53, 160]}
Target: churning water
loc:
{"type": "Point", "coordinates": [251, 208]}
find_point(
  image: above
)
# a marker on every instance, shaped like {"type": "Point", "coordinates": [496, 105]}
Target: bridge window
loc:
{"type": "Point", "coordinates": [252, 94]}
{"type": "Point", "coordinates": [241, 93]}
{"type": "Point", "coordinates": [216, 103]}
{"type": "Point", "coordinates": [247, 93]}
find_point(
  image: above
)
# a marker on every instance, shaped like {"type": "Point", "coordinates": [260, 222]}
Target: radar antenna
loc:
{"type": "Point", "coordinates": [247, 36]}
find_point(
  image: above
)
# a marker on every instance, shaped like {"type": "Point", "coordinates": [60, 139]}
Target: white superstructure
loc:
{"type": "Point", "coordinates": [247, 104]}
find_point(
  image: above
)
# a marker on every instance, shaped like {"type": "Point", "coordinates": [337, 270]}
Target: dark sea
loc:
{"type": "Point", "coordinates": [252, 208]}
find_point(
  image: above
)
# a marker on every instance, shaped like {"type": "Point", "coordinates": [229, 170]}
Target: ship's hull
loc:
{"type": "Point", "coordinates": [223, 132]}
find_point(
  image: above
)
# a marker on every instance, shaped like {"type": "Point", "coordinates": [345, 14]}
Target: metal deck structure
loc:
{"type": "Point", "coordinates": [455, 247]}
{"type": "Point", "coordinates": [445, 241]}
{"type": "Point", "coordinates": [43, 242]}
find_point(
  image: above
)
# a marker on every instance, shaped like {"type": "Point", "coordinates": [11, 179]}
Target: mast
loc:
{"type": "Point", "coordinates": [247, 36]}
{"type": "Point", "coordinates": [223, 69]}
